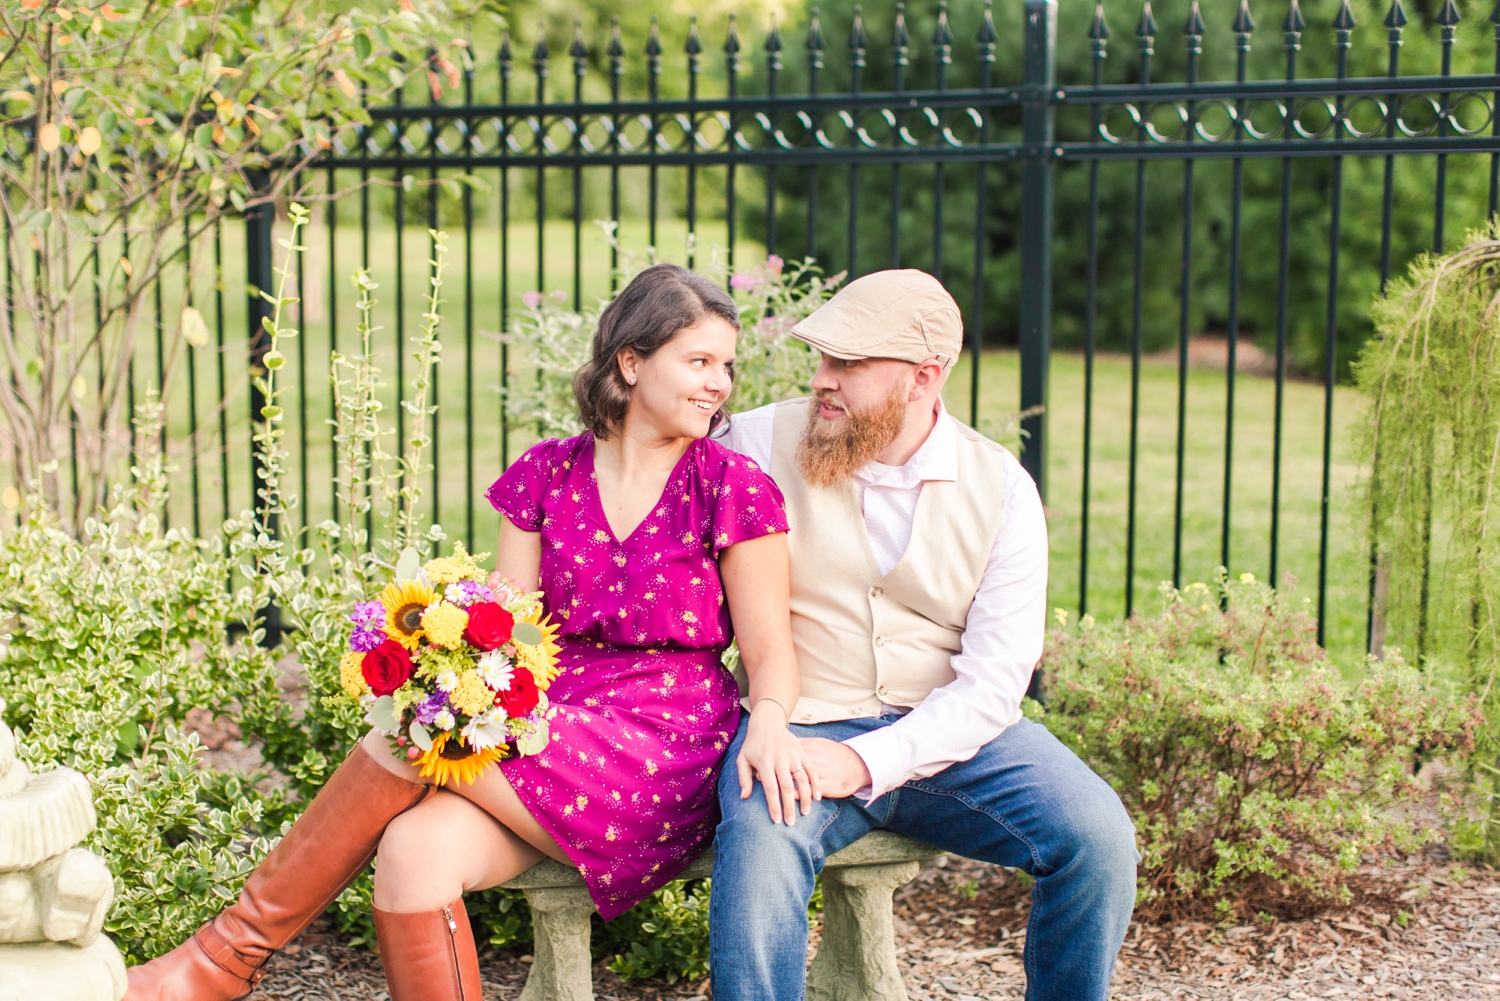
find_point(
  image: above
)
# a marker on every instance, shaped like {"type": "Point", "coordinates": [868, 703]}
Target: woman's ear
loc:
{"type": "Point", "coordinates": [630, 364]}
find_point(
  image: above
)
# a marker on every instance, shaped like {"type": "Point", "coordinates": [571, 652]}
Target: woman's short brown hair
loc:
{"type": "Point", "coordinates": [650, 311]}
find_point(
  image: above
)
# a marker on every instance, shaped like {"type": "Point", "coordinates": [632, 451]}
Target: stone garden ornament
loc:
{"type": "Point", "coordinates": [53, 894]}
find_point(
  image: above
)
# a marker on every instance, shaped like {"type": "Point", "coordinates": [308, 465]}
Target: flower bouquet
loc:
{"type": "Point", "coordinates": [454, 672]}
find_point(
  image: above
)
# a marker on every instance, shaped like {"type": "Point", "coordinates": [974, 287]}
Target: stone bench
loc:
{"type": "Point", "coordinates": [855, 962]}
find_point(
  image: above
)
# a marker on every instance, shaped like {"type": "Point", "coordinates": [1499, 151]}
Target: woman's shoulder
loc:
{"type": "Point", "coordinates": [720, 465]}
{"type": "Point", "coordinates": [553, 455]}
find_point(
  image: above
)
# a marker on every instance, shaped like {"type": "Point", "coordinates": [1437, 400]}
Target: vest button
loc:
{"type": "Point", "coordinates": [875, 592]}
{"type": "Point", "coordinates": [880, 641]}
{"type": "Point", "coordinates": [882, 691]}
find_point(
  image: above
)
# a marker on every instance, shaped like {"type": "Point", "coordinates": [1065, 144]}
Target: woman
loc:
{"type": "Point", "coordinates": [646, 539]}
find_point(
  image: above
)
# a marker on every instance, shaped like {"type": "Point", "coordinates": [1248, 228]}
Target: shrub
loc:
{"type": "Point", "coordinates": [114, 636]}
{"type": "Point", "coordinates": [1257, 778]}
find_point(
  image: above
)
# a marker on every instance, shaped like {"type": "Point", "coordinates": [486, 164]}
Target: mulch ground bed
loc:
{"type": "Point", "coordinates": [961, 926]}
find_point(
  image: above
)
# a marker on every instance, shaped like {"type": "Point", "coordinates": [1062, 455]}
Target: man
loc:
{"type": "Point", "coordinates": [919, 585]}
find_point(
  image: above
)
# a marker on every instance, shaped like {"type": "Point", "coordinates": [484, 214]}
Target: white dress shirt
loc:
{"type": "Point", "coordinates": [1002, 638]}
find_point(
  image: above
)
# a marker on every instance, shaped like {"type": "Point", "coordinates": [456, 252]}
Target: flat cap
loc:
{"type": "Point", "coordinates": [905, 314]}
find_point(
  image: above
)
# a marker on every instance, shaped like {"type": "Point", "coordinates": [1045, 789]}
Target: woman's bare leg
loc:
{"type": "Point", "coordinates": [417, 868]}
{"type": "Point", "coordinates": [491, 792]}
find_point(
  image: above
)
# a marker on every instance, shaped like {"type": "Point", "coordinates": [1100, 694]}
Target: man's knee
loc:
{"type": "Point", "coordinates": [1094, 832]}
{"type": "Point", "coordinates": [748, 832]}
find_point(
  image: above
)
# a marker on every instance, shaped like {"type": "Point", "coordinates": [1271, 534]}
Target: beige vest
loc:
{"type": "Point", "coordinates": [863, 639]}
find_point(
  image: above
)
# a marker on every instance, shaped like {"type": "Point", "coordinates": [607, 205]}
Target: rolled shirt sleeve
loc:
{"type": "Point", "coordinates": [1001, 644]}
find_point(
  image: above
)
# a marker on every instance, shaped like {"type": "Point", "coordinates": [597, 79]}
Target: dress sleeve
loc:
{"type": "Point", "coordinates": [519, 491]}
{"type": "Point", "coordinates": [748, 504]}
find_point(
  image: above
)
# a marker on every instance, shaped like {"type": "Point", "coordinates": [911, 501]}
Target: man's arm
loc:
{"type": "Point", "coordinates": [1001, 644]}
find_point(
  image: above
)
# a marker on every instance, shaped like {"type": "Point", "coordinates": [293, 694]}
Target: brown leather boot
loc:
{"type": "Point", "coordinates": [429, 956]}
{"type": "Point", "coordinates": [327, 847]}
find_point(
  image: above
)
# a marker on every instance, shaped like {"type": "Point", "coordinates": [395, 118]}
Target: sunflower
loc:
{"type": "Point", "coordinates": [405, 604]}
{"type": "Point", "coordinates": [452, 765]}
{"type": "Point", "coordinates": [539, 658]}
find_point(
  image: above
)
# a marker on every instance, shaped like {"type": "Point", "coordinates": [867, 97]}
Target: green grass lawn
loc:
{"type": "Point", "coordinates": [470, 422]}
{"type": "Point", "coordinates": [1250, 518]}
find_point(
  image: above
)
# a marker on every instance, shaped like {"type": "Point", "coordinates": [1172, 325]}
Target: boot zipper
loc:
{"type": "Point", "coordinates": [453, 951]}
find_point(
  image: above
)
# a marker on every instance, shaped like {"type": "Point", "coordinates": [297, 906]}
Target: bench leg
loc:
{"type": "Point", "coordinates": [857, 958]}
{"type": "Point", "coordinates": [562, 969]}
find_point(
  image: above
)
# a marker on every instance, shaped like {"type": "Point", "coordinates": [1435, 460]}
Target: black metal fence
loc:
{"type": "Point", "coordinates": [841, 176]}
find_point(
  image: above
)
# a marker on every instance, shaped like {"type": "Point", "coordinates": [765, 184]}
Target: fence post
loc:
{"type": "Point", "coordinates": [1036, 230]}
{"type": "Point", "coordinates": [259, 267]}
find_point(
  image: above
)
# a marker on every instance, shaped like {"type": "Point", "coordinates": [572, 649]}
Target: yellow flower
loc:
{"type": "Point", "coordinates": [458, 765]}
{"type": "Point", "coordinates": [405, 604]}
{"type": "Point", "coordinates": [351, 677]}
{"type": "Point", "coordinates": [446, 570]}
{"type": "Point", "coordinates": [452, 569]}
{"type": "Point", "coordinates": [444, 625]}
{"type": "Point", "coordinates": [541, 658]}
{"type": "Point", "coordinates": [471, 696]}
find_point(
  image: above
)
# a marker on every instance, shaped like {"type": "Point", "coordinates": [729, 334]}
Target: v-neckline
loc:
{"type": "Point", "coordinates": [599, 497]}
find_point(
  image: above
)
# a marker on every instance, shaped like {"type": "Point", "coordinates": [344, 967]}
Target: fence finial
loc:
{"type": "Point", "coordinates": [616, 48]}
{"type": "Point", "coordinates": [1194, 27]}
{"type": "Point", "coordinates": [1146, 27]}
{"type": "Point", "coordinates": [1449, 15]}
{"type": "Point", "coordinates": [900, 39]}
{"type": "Point", "coordinates": [505, 55]}
{"type": "Point", "coordinates": [773, 40]}
{"type": "Point", "coordinates": [1099, 30]}
{"type": "Point", "coordinates": [1294, 24]}
{"type": "Point", "coordinates": [858, 40]}
{"type": "Point", "coordinates": [1494, 14]}
{"type": "Point", "coordinates": [943, 36]}
{"type": "Point", "coordinates": [987, 34]}
{"type": "Point", "coordinates": [653, 43]}
{"type": "Point", "coordinates": [1244, 24]}
{"type": "Point", "coordinates": [540, 52]}
{"type": "Point", "coordinates": [578, 50]}
{"type": "Point", "coordinates": [1395, 18]}
{"type": "Point", "coordinates": [815, 41]}
{"type": "Point", "coordinates": [1344, 20]}
{"type": "Point", "coordinates": [732, 39]}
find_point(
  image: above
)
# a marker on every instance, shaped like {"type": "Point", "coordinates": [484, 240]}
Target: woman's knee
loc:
{"type": "Point", "coordinates": [409, 873]}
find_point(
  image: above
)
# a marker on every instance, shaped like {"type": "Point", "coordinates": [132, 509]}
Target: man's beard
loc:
{"type": "Point", "coordinates": [833, 451]}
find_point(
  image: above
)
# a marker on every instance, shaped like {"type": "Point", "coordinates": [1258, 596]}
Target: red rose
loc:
{"type": "Point", "coordinates": [387, 667]}
{"type": "Point", "coordinates": [522, 696]}
{"type": "Point", "coordinates": [489, 626]}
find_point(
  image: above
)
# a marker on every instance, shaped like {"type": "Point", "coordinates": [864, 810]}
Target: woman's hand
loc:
{"type": "Point", "coordinates": [772, 754]}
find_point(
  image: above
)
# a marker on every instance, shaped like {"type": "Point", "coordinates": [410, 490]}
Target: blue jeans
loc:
{"type": "Point", "coordinates": [1023, 801]}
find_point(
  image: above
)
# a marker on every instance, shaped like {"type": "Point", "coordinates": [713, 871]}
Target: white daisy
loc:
{"type": "Point", "coordinates": [447, 681]}
{"type": "Point", "coordinates": [487, 729]}
{"type": "Point", "coordinates": [495, 668]}
{"type": "Point", "coordinates": [444, 720]}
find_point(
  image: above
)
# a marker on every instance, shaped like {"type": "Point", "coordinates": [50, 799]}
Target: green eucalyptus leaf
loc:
{"type": "Point", "coordinates": [535, 742]}
{"type": "Point", "coordinates": [408, 565]}
{"type": "Point", "coordinates": [527, 633]}
{"type": "Point", "coordinates": [420, 736]}
{"type": "Point", "coordinates": [383, 714]}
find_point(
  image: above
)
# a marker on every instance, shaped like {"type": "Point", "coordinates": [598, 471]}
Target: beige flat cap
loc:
{"type": "Point", "coordinates": [904, 314]}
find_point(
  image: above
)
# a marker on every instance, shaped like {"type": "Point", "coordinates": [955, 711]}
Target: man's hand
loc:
{"type": "Point", "coordinates": [840, 771]}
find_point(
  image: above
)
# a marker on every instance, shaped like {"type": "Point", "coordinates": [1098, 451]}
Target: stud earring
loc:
{"type": "Point", "coordinates": [630, 381]}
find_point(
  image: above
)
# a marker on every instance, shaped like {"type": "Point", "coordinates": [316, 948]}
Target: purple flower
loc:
{"type": "Point", "coordinates": [367, 614]}
{"type": "Point", "coordinates": [774, 264]}
{"type": "Point", "coordinates": [745, 282]}
{"type": "Point", "coordinates": [467, 592]}
{"type": "Point", "coordinates": [365, 640]}
{"type": "Point", "coordinates": [428, 709]}
{"type": "Point", "coordinates": [531, 299]}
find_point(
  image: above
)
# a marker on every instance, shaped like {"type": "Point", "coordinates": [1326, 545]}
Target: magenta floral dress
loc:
{"type": "Point", "coordinates": [643, 708]}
